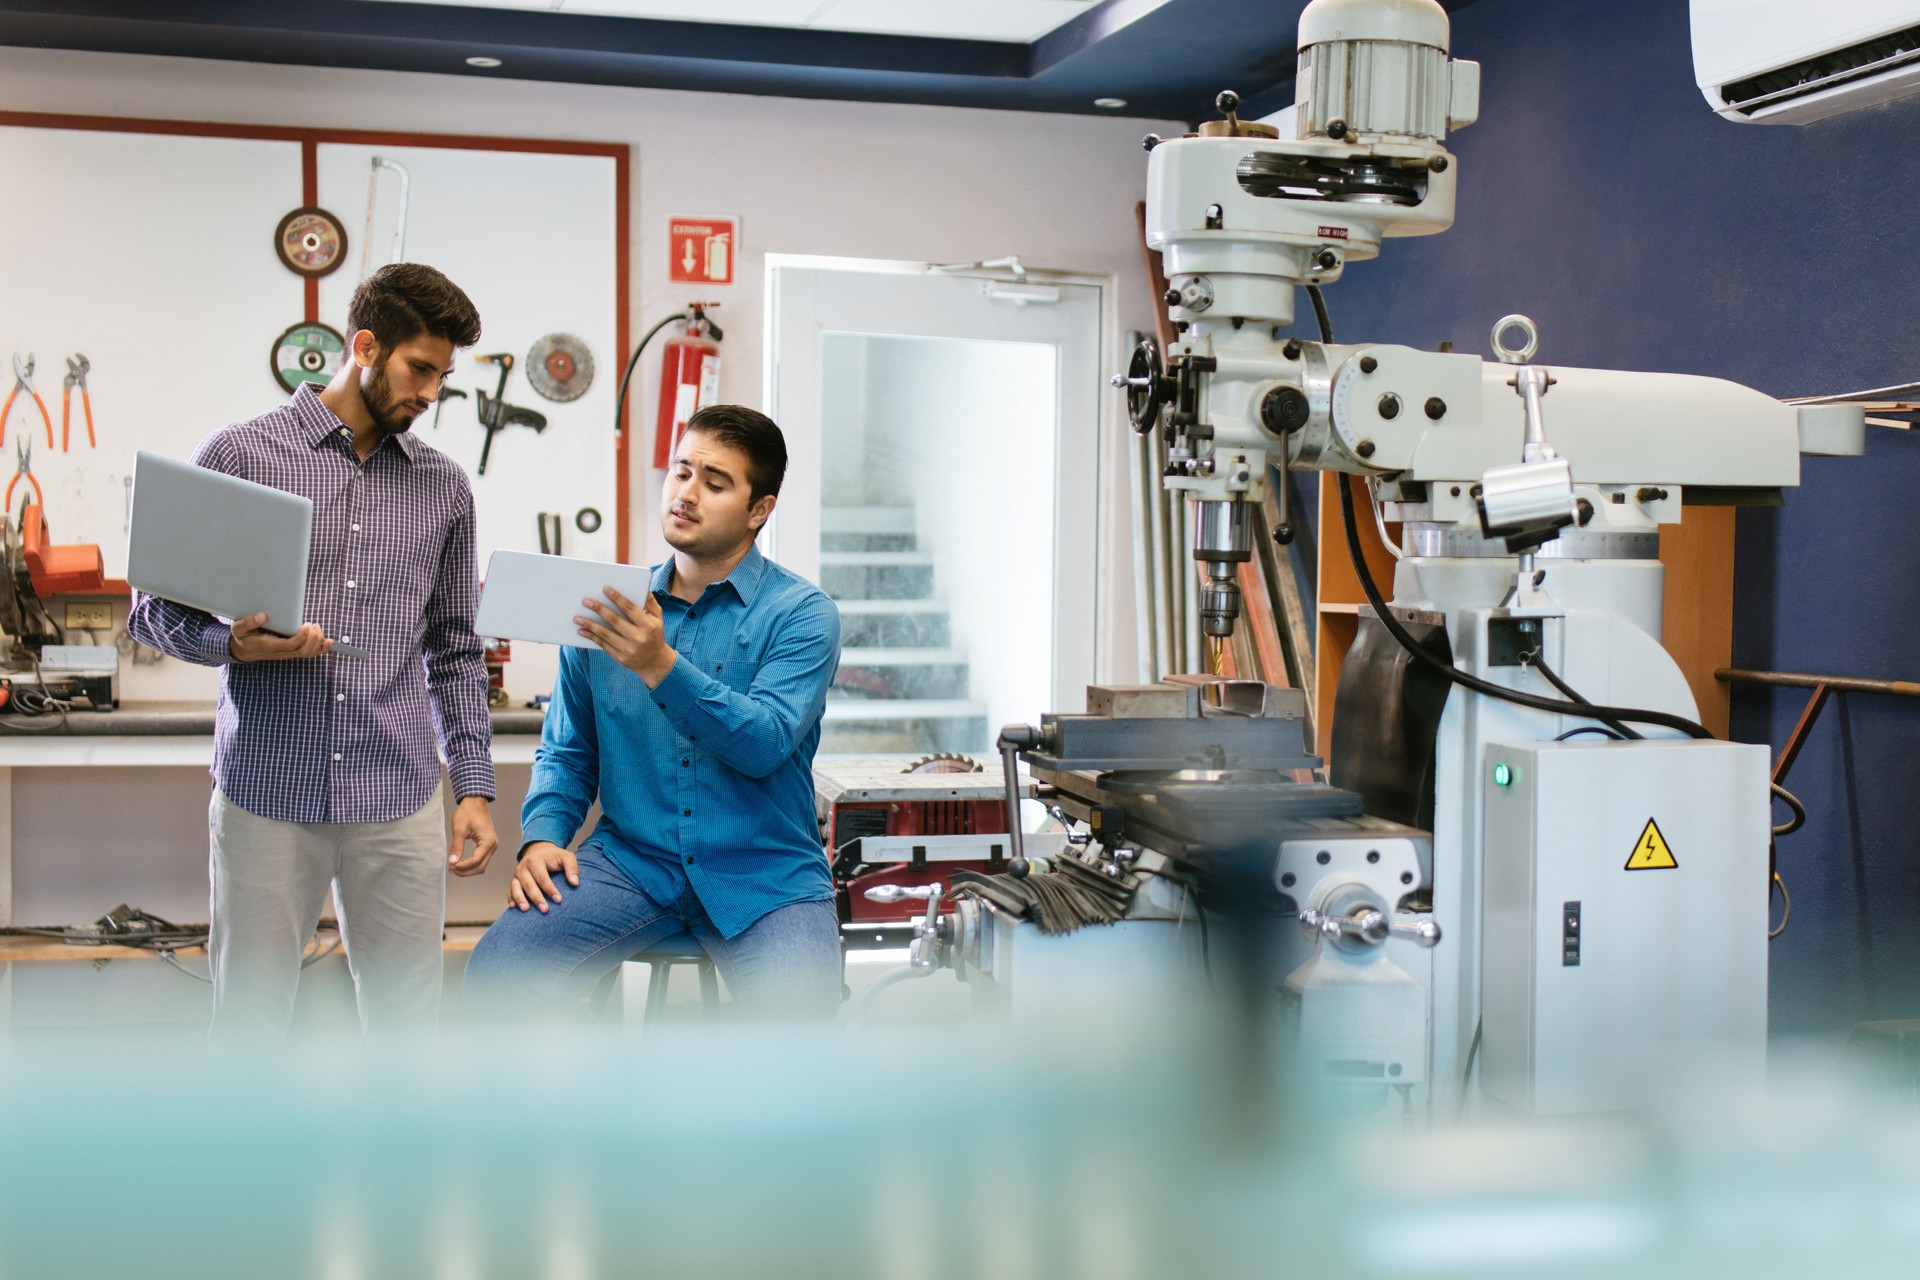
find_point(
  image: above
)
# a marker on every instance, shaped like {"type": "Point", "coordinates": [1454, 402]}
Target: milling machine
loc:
{"type": "Point", "coordinates": [1529, 853]}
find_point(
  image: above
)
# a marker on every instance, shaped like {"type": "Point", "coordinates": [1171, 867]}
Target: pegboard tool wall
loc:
{"type": "Point", "coordinates": [150, 250]}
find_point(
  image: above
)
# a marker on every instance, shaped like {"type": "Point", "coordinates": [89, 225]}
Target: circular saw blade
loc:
{"type": "Point", "coordinates": [310, 242]}
{"type": "Point", "coordinates": [307, 353]}
{"type": "Point", "coordinates": [560, 367]}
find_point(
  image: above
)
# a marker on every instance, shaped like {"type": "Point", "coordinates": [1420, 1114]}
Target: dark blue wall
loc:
{"type": "Point", "coordinates": [1601, 196]}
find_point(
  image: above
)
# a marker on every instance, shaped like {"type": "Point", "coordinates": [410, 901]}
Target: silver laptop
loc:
{"type": "Point", "coordinates": [220, 543]}
{"type": "Point", "coordinates": [536, 597]}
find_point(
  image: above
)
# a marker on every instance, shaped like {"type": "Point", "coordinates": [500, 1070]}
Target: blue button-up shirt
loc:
{"type": "Point", "coordinates": [705, 781]}
{"type": "Point", "coordinates": [391, 571]}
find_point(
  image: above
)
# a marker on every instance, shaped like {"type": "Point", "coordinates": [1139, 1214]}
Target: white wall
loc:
{"type": "Point", "coordinates": [905, 182]}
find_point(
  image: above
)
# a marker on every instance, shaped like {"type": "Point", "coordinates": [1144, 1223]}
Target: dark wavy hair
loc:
{"type": "Point", "coordinates": [752, 433]}
{"type": "Point", "coordinates": [403, 300]}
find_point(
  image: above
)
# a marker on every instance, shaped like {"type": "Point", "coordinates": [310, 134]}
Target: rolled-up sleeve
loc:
{"type": "Point", "coordinates": [755, 731]}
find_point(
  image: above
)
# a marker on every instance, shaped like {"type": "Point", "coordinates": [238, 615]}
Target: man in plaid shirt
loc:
{"type": "Point", "coordinates": [325, 768]}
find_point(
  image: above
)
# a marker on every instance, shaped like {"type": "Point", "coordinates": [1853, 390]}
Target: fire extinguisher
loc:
{"type": "Point", "coordinates": [689, 377]}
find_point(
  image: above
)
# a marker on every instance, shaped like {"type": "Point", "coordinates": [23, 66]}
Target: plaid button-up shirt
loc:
{"type": "Point", "coordinates": [338, 739]}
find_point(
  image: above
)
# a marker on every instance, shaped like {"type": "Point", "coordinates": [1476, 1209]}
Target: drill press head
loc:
{"type": "Point", "coordinates": [1243, 217]}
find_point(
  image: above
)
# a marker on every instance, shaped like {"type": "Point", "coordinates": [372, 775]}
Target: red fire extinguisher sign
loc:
{"type": "Point", "coordinates": [701, 250]}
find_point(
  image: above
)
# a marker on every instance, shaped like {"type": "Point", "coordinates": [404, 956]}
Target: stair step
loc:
{"type": "Point", "coordinates": [882, 726]}
{"type": "Point", "coordinates": [869, 575]}
{"type": "Point", "coordinates": [867, 608]}
{"type": "Point", "coordinates": [842, 710]}
{"type": "Point", "coordinates": [875, 559]}
{"type": "Point", "coordinates": [867, 520]}
{"type": "Point", "coordinates": [858, 656]}
{"type": "Point", "coordinates": [902, 673]}
{"type": "Point", "coordinates": [894, 623]}
{"type": "Point", "coordinates": [832, 542]}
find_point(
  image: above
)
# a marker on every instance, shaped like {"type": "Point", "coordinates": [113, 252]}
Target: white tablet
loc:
{"type": "Point", "coordinates": [536, 597]}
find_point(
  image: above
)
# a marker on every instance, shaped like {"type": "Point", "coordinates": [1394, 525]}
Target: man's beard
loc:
{"type": "Point", "coordinates": [382, 405]}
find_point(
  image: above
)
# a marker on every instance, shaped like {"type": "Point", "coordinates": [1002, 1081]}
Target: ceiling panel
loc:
{"type": "Point", "coordinates": [1159, 59]}
{"type": "Point", "coordinates": [760, 13]}
{"type": "Point", "coordinates": [1016, 20]}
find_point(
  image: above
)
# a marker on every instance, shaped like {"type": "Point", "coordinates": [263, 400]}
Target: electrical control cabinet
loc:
{"type": "Point", "coordinates": [1626, 901]}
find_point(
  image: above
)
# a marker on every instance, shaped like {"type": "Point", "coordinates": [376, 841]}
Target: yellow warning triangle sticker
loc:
{"type": "Point", "coordinates": [1651, 852]}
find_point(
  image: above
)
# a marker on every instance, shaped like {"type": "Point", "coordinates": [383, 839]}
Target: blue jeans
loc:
{"type": "Point", "coordinates": [786, 964]}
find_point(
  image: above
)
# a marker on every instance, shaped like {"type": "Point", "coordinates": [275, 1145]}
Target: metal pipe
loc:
{"type": "Point", "coordinates": [1012, 738]}
{"type": "Point", "coordinates": [1189, 578]}
{"type": "Point", "coordinates": [1839, 684]}
{"type": "Point", "coordinates": [1144, 614]}
{"type": "Point", "coordinates": [1156, 532]}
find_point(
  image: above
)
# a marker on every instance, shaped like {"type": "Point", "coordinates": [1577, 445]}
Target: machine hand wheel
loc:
{"type": "Point", "coordinates": [1147, 386]}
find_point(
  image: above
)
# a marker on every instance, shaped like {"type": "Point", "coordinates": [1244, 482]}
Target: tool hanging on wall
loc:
{"type": "Point", "coordinates": [560, 367]}
{"type": "Point", "coordinates": [77, 366]}
{"type": "Point", "coordinates": [23, 381]}
{"type": "Point", "coordinates": [446, 394]}
{"type": "Point", "coordinates": [307, 353]}
{"type": "Point", "coordinates": [310, 242]}
{"type": "Point", "coordinates": [549, 532]}
{"type": "Point", "coordinates": [23, 470]}
{"type": "Point", "coordinates": [496, 415]}
{"type": "Point", "coordinates": [400, 226]}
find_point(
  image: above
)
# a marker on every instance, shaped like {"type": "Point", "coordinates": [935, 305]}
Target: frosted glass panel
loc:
{"type": "Point", "coordinates": [937, 497]}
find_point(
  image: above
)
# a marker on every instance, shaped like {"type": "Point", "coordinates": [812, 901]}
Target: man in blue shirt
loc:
{"type": "Point", "coordinates": [694, 724]}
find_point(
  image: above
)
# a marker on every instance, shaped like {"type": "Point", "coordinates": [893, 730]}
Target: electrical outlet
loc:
{"type": "Point", "coordinates": [89, 617]}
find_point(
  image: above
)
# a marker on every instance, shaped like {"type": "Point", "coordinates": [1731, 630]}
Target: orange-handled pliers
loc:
{"type": "Point", "coordinates": [23, 452]}
{"type": "Point", "coordinates": [77, 366]}
{"type": "Point", "coordinates": [23, 381]}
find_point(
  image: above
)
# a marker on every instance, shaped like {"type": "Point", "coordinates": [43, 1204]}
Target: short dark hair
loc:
{"type": "Point", "coordinates": [403, 300]}
{"type": "Point", "coordinates": [752, 433]}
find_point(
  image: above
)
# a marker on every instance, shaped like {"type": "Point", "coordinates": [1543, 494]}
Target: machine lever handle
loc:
{"type": "Point", "coordinates": [1370, 926]}
{"type": "Point", "coordinates": [901, 892]}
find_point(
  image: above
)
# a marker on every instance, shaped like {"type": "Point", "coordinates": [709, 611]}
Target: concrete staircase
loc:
{"type": "Point", "coordinates": [902, 687]}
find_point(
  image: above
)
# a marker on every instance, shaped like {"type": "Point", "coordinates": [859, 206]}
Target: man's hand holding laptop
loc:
{"type": "Point", "coordinates": [250, 643]}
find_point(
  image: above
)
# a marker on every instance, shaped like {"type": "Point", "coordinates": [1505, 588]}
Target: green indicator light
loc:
{"type": "Point", "coordinates": [1502, 775]}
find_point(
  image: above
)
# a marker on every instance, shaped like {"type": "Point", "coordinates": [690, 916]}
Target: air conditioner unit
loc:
{"type": "Point", "coordinates": [1794, 61]}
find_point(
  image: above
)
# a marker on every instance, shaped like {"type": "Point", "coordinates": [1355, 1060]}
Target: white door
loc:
{"type": "Point", "coordinates": [942, 485]}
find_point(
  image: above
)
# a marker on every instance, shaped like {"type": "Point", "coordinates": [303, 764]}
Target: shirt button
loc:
{"type": "Point", "coordinates": [356, 528]}
{"type": "Point", "coordinates": [349, 583]}
{"type": "Point", "coordinates": [336, 755]}
{"type": "Point", "coordinates": [339, 697]}
{"type": "Point", "coordinates": [683, 764]}
{"type": "Point", "coordinates": [689, 859]}
{"type": "Point", "coordinates": [346, 639]}
{"type": "Point", "coordinates": [686, 813]}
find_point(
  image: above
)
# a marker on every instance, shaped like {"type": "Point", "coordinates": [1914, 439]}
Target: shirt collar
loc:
{"type": "Point", "coordinates": [320, 424]}
{"type": "Point", "coordinates": [745, 577]}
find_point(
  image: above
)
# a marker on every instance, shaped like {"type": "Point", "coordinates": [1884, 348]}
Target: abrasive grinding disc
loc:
{"type": "Point", "coordinates": [560, 367]}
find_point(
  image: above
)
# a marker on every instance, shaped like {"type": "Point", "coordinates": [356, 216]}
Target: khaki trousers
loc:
{"type": "Point", "coordinates": [270, 885]}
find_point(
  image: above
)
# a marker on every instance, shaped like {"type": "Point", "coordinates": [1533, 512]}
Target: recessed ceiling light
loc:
{"type": "Point", "coordinates": [1111, 104]}
{"type": "Point", "coordinates": [483, 62]}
